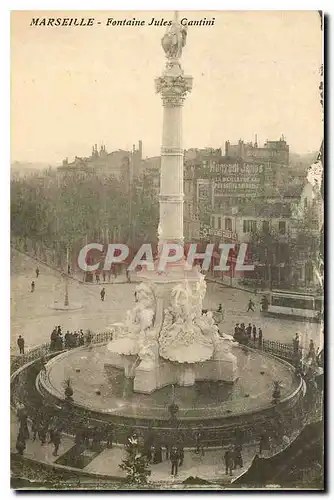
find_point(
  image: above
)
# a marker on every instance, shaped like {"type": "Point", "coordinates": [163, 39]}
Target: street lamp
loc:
{"type": "Point", "coordinates": [66, 301]}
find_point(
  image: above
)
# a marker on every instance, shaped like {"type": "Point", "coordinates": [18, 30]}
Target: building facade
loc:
{"type": "Point", "coordinates": [121, 164]}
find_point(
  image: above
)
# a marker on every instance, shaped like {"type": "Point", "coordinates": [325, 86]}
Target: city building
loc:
{"type": "Point", "coordinates": [124, 165]}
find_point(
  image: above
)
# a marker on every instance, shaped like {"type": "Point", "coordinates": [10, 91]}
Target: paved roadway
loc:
{"type": "Point", "coordinates": [32, 316]}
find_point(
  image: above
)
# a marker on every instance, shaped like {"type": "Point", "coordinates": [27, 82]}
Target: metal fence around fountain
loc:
{"type": "Point", "coordinates": [16, 361]}
{"type": "Point", "coordinates": [22, 359]}
{"type": "Point", "coordinates": [279, 349]}
{"type": "Point", "coordinates": [285, 351]}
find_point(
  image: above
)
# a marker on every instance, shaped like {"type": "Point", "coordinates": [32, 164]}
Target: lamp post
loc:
{"type": "Point", "coordinates": [66, 301]}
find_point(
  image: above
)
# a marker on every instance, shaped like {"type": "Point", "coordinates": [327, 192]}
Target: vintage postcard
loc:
{"type": "Point", "coordinates": [167, 293]}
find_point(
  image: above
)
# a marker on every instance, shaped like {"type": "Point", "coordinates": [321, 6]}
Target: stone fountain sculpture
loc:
{"type": "Point", "coordinates": [166, 339]}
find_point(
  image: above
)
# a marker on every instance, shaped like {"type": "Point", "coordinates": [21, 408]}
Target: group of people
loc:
{"type": "Point", "coordinates": [247, 334]}
{"type": "Point", "coordinates": [91, 437]}
{"type": "Point", "coordinates": [70, 339]}
{"type": "Point", "coordinates": [43, 426]}
{"type": "Point", "coordinates": [157, 451]}
{"type": "Point", "coordinates": [33, 284]}
{"type": "Point", "coordinates": [233, 458]}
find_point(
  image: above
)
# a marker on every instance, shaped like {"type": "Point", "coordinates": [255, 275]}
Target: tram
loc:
{"type": "Point", "coordinates": [293, 305]}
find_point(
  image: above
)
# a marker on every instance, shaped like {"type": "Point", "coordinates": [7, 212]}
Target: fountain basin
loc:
{"type": "Point", "coordinates": [217, 408]}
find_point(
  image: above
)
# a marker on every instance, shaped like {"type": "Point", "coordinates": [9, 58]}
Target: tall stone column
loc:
{"type": "Point", "coordinates": [166, 330]}
{"type": "Point", "coordinates": [173, 87]}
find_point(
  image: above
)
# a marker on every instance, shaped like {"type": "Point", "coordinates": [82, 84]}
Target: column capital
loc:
{"type": "Point", "coordinates": [173, 89]}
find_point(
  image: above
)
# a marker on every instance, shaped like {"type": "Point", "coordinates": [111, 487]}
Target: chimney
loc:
{"type": "Point", "coordinates": [227, 143]}
{"type": "Point", "coordinates": [140, 149]}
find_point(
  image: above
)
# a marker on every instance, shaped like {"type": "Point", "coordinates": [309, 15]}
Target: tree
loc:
{"type": "Point", "coordinates": [136, 463]}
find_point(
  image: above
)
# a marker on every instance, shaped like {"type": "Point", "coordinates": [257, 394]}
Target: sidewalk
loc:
{"type": "Point", "coordinates": [210, 467]}
{"type": "Point", "coordinates": [234, 283]}
{"type": "Point", "coordinates": [78, 276]}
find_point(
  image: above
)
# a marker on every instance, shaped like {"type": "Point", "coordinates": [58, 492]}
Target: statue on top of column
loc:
{"type": "Point", "coordinates": [174, 39]}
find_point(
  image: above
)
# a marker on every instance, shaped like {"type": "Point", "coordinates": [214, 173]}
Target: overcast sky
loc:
{"type": "Point", "coordinates": [254, 72]}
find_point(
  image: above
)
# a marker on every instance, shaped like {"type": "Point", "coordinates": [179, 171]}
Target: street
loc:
{"type": "Point", "coordinates": [32, 315]}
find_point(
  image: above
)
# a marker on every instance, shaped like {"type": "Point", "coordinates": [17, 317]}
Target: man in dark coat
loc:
{"type": "Point", "coordinates": [260, 336]}
{"type": "Point", "coordinates": [238, 462]}
{"type": "Point", "coordinates": [110, 435]}
{"type": "Point", "coordinates": [20, 343]}
{"type": "Point", "coordinates": [174, 458]}
{"type": "Point", "coordinates": [56, 440]}
{"type": "Point", "coordinates": [250, 306]}
{"type": "Point", "coordinates": [20, 443]}
{"type": "Point", "coordinates": [181, 455]}
{"type": "Point", "coordinates": [254, 333]}
{"type": "Point", "coordinates": [229, 462]}
{"type": "Point", "coordinates": [53, 339]}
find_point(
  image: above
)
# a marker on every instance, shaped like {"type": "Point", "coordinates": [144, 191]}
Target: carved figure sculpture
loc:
{"type": "Point", "coordinates": [181, 339]}
{"type": "Point", "coordinates": [130, 337]}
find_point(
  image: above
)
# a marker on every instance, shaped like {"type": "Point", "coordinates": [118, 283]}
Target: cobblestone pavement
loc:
{"type": "Point", "coordinates": [33, 317]}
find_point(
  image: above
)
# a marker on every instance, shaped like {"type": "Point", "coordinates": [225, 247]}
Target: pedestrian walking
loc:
{"type": "Point", "coordinates": [311, 352]}
{"type": "Point", "coordinates": [229, 462]}
{"type": "Point", "coordinates": [260, 336]}
{"type": "Point", "coordinates": [167, 450]}
{"type": "Point", "coordinates": [199, 444]}
{"type": "Point", "coordinates": [103, 293]}
{"type": "Point", "coordinates": [97, 277]}
{"type": "Point", "coordinates": [53, 339]}
{"type": "Point", "coordinates": [32, 286]}
{"type": "Point", "coordinates": [128, 276]}
{"type": "Point", "coordinates": [254, 333]}
{"type": "Point", "coordinates": [174, 458]}
{"type": "Point", "coordinates": [42, 431]}
{"type": "Point", "coordinates": [151, 454]}
{"type": "Point", "coordinates": [20, 444]}
{"type": "Point", "coordinates": [59, 342]}
{"type": "Point", "coordinates": [249, 331]}
{"type": "Point", "coordinates": [20, 343]}
{"type": "Point", "coordinates": [35, 426]}
{"type": "Point", "coordinates": [110, 435]}
{"type": "Point", "coordinates": [250, 306]}
{"type": "Point", "coordinates": [67, 340]}
{"type": "Point", "coordinates": [238, 462]}
{"type": "Point", "coordinates": [81, 338]}
{"type": "Point", "coordinates": [104, 276]}
{"type": "Point", "coordinates": [157, 459]}
{"type": "Point", "coordinates": [56, 440]}
{"type": "Point", "coordinates": [295, 343]}
{"type": "Point", "coordinates": [181, 455]}
{"type": "Point", "coordinates": [23, 420]}
{"type": "Point", "coordinates": [37, 272]}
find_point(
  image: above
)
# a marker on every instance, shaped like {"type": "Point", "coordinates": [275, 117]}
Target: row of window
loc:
{"type": "Point", "coordinates": [250, 226]}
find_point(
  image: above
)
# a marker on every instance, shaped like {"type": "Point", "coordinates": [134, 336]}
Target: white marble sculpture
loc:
{"type": "Point", "coordinates": [130, 338]}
